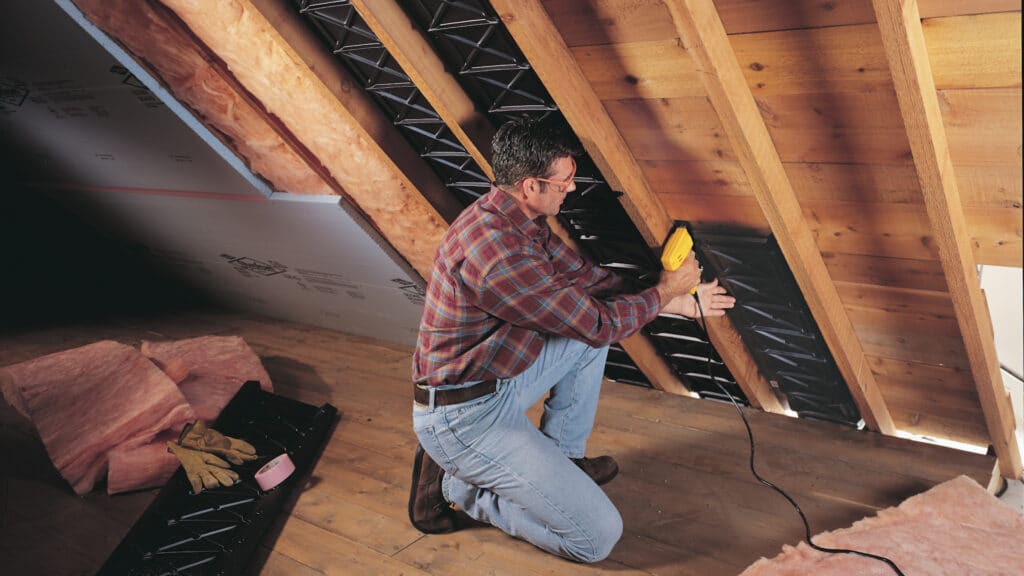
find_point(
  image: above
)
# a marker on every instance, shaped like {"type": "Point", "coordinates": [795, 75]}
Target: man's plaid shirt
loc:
{"type": "Point", "coordinates": [501, 283]}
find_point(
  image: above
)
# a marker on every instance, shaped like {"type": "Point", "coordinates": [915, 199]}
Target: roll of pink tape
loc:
{"type": "Point", "coordinates": [274, 472]}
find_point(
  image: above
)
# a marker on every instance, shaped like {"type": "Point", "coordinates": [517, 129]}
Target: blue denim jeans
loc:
{"type": "Point", "coordinates": [502, 470]}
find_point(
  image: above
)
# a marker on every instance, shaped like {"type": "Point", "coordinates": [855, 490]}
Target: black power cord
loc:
{"type": "Point", "coordinates": [750, 436]}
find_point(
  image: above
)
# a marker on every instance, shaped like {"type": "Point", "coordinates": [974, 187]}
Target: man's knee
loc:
{"type": "Point", "coordinates": [602, 537]}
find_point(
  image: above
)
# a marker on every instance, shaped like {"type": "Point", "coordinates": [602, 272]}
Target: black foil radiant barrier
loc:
{"type": "Point", "coordinates": [774, 321]}
{"type": "Point", "coordinates": [347, 36]}
{"type": "Point", "coordinates": [684, 345]}
{"type": "Point", "coordinates": [620, 368]}
{"type": "Point", "coordinates": [216, 531]}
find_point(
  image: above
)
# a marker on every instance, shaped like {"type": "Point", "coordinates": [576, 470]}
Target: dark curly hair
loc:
{"type": "Point", "coordinates": [525, 148]}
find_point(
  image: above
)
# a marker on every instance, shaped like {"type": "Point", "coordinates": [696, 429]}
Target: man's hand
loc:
{"type": "Point", "coordinates": [713, 300]}
{"type": "Point", "coordinates": [680, 281]}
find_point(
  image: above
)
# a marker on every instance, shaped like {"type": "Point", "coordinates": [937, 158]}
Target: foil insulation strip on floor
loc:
{"type": "Point", "coordinates": [215, 532]}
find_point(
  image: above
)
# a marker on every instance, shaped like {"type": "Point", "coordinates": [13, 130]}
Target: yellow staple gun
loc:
{"type": "Point", "coordinates": [678, 247]}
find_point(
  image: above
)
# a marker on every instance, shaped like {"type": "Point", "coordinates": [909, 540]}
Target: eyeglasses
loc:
{"type": "Point", "coordinates": [561, 184]}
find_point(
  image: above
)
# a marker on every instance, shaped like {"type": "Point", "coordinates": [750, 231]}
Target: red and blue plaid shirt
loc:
{"type": "Point", "coordinates": [501, 283]}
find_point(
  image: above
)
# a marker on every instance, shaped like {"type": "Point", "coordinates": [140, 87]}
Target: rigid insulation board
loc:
{"type": "Point", "coordinates": [303, 258]}
{"type": "Point", "coordinates": [71, 114]}
{"type": "Point", "coordinates": [774, 321]}
{"type": "Point", "coordinates": [76, 123]}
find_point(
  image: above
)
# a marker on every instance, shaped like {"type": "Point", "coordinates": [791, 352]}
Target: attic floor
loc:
{"type": "Point", "coordinates": [689, 503]}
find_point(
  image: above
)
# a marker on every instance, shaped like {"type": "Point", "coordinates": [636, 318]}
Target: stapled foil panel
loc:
{"type": "Point", "coordinates": [684, 345]}
{"type": "Point", "coordinates": [774, 321]}
{"type": "Point", "coordinates": [597, 221]}
{"type": "Point", "coordinates": [216, 531]}
{"type": "Point", "coordinates": [472, 40]}
{"type": "Point", "coordinates": [349, 38]}
{"type": "Point", "coordinates": [620, 368]}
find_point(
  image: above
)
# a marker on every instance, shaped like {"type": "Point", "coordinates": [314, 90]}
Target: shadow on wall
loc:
{"type": "Point", "coordinates": [57, 268]}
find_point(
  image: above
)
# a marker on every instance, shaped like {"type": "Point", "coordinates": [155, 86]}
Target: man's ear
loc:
{"type": "Point", "coordinates": [522, 190]}
{"type": "Point", "coordinates": [531, 186]}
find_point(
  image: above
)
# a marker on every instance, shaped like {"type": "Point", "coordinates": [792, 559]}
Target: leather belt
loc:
{"type": "Point", "coordinates": [421, 393]}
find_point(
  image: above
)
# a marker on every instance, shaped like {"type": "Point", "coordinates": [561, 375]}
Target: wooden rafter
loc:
{"type": "Point", "coordinates": [701, 29]}
{"type": "Point", "coordinates": [900, 24]}
{"type": "Point", "coordinates": [658, 372]}
{"type": "Point", "coordinates": [730, 347]}
{"type": "Point", "coordinates": [413, 52]}
{"type": "Point", "coordinates": [282, 66]}
{"type": "Point", "coordinates": [538, 38]}
{"type": "Point", "coordinates": [407, 45]}
{"type": "Point", "coordinates": [159, 42]}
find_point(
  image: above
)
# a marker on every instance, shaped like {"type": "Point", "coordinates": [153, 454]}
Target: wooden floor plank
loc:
{"type": "Point", "coordinates": [273, 563]}
{"type": "Point", "coordinates": [688, 502]}
{"type": "Point", "coordinates": [329, 553]}
{"type": "Point", "coordinates": [490, 551]}
{"type": "Point", "coordinates": [361, 496]}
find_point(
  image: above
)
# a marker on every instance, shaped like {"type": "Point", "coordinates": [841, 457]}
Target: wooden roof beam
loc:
{"type": "Point", "coordinates": [900, 24]}
{"type": "Point", "coordinates": [538, 38]}
{"type": "Point", "coordinates": [541, 43]}
{"type": "Point", "coordinates": [278, 61]}
{"type": "Point", "coordinates": [412, 50]}
{"type": "Point", "coordinates": [163, 45]}
{"type": "Point", "coordinates": [701, 29]}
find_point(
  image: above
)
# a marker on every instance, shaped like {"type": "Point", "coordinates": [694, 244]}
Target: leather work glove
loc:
{"type": "Point", "coordinates": [203, 470]}
{"type": "Point", "coordinates": [198, 437]}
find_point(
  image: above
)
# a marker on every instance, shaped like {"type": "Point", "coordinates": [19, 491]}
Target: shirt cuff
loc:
{"type": "Point", "coordinates": [652, 301]}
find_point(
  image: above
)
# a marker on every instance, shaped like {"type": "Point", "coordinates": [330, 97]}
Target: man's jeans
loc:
{"type": "Point", "coordinates": [502, 470]}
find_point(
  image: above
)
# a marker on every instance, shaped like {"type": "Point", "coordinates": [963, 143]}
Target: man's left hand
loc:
{"type": "Point", "coordinates": [713, 300]}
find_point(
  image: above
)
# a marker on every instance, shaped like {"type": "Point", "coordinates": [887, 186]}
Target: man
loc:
{"type": "Point", "coordinates": [512, 314]}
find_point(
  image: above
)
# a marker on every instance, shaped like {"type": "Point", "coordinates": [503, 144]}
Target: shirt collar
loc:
{"type": "Point", "coordinates": [503, 203]}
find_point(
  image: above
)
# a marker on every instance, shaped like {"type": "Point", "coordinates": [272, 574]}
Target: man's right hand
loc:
{"type": "Point", "coordinates": [680, 281]}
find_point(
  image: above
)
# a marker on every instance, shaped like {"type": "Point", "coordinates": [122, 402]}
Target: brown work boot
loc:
{"type": "Point", "coordinates": [429, 512]}
{"type": "Point", "coordinates": [601, 469]}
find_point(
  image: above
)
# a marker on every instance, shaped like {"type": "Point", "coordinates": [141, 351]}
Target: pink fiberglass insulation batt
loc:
{"type": "Point", "coordinates": [86, 401]}
{"type": "Point", "coordinates": [139, 467]}
{"type": "Point", "coordinates": [955, 529]}
{"type": "Point", "coordinates": [9, 389]}
{"type": "Point", "coordinates": [209, 370]}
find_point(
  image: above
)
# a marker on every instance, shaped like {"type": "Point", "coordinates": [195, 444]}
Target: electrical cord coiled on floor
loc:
{"type": "Point", "coordinates": [750, 436]}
